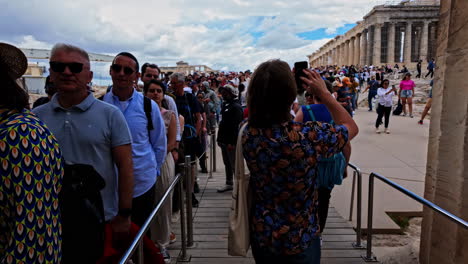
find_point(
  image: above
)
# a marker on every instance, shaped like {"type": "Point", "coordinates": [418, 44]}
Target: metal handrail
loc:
{"type": "Point", "coordinates": [356, 173]}
{"type": "Point", "coordinates": [368, 257]}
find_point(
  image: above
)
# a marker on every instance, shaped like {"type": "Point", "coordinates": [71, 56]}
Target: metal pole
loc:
{"type": "Point", "coordinates": [183, 257]}
{"type": "Point", "coordinates": [214, 152]}
{"type": "Point", "coordinates": [370, 211]}
{"type": "Point", "coordinates": [188, 199]}
{"type": "Point", "coordinates": [359, 210]}
{"type": "Point", "coordinates": [211, 157]}
{"type": "Point", "coordinates": [351, 206]}
{"type": "Point", "coordinates": [140, 253]}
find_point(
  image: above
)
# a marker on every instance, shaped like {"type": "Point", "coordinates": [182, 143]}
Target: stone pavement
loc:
{"type": "Point", "coordinates": [211, 229]}
{"type": "Point", "coordinates": [399, 156]}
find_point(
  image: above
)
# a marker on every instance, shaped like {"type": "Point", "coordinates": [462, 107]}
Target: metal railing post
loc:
{"type": "Point", "coordinates": [141, 257]}
{"type": "Point", "coordinates": [183, 257]}
{"type": "Point", "coordinates": [359, 210]}
{"type": "Point", "coordinates": [188, 199]}
{"type": "Point", "coordinates": [214, 152]}
{"type": "Point", "coordinates": [351, 206]}
{"type": "Point", "coordinates": [211, 157]}
{"type": "Point", "coordinates": [370, 210]}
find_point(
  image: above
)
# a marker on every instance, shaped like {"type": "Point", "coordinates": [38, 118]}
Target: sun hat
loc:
{"type": "Point", "coordinates": [231, 89]}
{"type": "Point", "coordinates": [346, 81]}
{"type": "Point", "coordinates": [337, 83]}
{"type": "Point", "coordinates": [12, 60]}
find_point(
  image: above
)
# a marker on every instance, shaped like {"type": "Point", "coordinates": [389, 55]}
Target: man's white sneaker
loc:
{"type": "Point", "coordinates": [387, 131]}
{"type": "Point", "coordinates": [377, 130]}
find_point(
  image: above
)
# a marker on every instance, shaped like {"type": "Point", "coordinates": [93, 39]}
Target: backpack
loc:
{"type": "Point", "coordinates": [82, 213]}
{"type": "Point", "coordinates": [398, 108]}
{"type": "Point", "coordinates": [330, 170]}
{"type": "Point", "coordinates": [147, 108]}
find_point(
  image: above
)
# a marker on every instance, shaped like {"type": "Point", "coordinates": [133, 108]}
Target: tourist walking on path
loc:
{"type": "Point", "coordinates": [430, 68]}
{"type": "Point", "coordinates": [372, 86]}
{"type": "Point", "coordinates": [344, 95]}
{"type": "Point", "coordinates": [428, 105]}
{"type": "Point", "coordinates": [147, 129]}
{"type": "Point", "coordinates": [418, 68]}
{"type": "Point", "coordinates": [385, 94]}
{"type": "Point", "coordinates": [282, 159]}
{"type": "Point", "coordinates": [31, 172]}
{"type": "Point", "coordinates": [90, 132]}
{"type": "Point", "coordinates": [161, 227]}
{"type": "Point", "coordinates": [406, 93]}
{"type": "Point", "coordinates": [228, 130]}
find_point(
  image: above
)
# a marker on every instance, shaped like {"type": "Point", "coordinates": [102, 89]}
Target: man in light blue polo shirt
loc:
{"type": "Point", "coordinates": [90, 132]}
{"type": "Point", "coordinates": [148, 145]}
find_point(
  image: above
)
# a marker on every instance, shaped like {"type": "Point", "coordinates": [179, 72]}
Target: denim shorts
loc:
{"type": "Point", "coordinates": [406, 93]}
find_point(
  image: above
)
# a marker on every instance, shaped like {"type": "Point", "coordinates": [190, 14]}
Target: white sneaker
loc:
{"type": "Point", "coordinates": [404, 114]}
{"type": "Point", "coordinates": [377, 130]}
{"type": "Point", "coordinates": [387, 131]}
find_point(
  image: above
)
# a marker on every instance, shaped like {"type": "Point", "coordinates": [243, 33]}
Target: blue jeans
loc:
{"type": "Point", "coordinates": [310, 256]}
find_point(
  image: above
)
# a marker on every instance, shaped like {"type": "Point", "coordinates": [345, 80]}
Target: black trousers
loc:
{"type": "Point", "coordinates": [142, 206]}
{"type": "Point", "coordinates": [324, 195]}
{"type": "Point", "coordinates": [381, 111]}
{"type": "Point", "coordinates": [431, 72]}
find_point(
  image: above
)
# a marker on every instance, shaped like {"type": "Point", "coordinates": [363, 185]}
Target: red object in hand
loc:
{"type": "Point", "coordinates": [114, 249]}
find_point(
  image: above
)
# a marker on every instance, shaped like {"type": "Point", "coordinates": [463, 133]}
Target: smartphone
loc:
{"type": "Point", "coordinates": [298, 72]}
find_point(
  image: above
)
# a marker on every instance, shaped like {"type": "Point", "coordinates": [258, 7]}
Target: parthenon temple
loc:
{"type": "Point", "coordinates": [402, 33]}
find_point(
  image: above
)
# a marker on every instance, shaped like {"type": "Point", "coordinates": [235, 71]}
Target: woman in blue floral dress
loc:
{"type": "Point", "coordinates": [282, 158]}
{"type": "Point", "coordinates": [31, 173]}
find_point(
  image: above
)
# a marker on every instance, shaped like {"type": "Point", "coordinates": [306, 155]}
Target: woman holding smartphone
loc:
{"type": "Point", "coordinates": [385, 94]}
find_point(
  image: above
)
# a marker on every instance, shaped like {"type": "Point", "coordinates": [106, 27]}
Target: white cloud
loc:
{"type": "Point", "coordinates": [218, 34]}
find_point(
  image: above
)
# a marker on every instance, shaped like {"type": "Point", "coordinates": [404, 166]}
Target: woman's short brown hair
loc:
{"type": "Point", "coordinates": [271, 92]}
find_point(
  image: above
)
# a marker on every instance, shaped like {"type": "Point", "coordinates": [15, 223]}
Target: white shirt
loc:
{"type": "Point", "coordinates": [385, 99]}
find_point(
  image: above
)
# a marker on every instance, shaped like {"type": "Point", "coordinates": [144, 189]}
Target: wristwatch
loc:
{"type": "Point", "coordinates": [125, 212]}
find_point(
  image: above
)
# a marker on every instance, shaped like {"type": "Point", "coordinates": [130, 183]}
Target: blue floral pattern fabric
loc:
{"type": "Point", "coordinates": [31, 177]}
{"type": "Point", "coordinates": [282, 161]}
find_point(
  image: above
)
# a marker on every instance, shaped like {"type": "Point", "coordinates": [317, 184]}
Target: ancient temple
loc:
{"type": "Point", "coordinates": [398, 33]}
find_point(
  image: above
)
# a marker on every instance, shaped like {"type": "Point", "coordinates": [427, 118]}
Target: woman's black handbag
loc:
{"type": "Point", "coordinates": [82, 214]}
{"type": "Point", "coordinates": [398, 108]}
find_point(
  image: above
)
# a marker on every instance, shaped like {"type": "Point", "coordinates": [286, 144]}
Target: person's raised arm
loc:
{"type": "Point", "coordinates": [299, 116]}
{"type": "Point", "coordinates": [316, 86]}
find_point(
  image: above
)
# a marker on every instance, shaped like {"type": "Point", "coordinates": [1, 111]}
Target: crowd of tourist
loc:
{"type": "Point", "coordinates": [76, 165]}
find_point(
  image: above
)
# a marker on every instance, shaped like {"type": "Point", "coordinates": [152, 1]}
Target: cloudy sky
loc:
{"type": "Point", "coordinates": [223, 34]}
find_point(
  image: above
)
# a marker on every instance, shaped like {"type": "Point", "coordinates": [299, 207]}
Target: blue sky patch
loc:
{"type": "Point", "coordinates": [321, 33]}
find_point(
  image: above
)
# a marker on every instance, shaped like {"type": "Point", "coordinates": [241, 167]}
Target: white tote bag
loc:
{"type": "Point", "coordinates": [238, 236]}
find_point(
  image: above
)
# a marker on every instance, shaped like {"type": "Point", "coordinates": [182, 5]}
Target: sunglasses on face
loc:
{"type": "Point", "coordinates": [155, 90]}
{"type": "Point", "coordinates": [117, 68]}
{"type": "Point", "coordinates": [308, 95]}
{"type": "Point", "coordinates": [149, 75]}
{"type": "Point", "coordinates": [74, 67]}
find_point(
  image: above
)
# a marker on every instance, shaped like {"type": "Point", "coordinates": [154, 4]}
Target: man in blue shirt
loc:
{"type": "Point", "coordinates": [148, 145]}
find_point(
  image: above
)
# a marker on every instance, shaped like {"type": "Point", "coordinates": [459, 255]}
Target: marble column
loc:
{"type": "Point", "coordinates": [408, 40]}
{"type": "Point", "coordinates": [377, 44]}
{"type": "Point", "coordinates": [446, 183]}
{"type": "Point", "coordinates": [347, 52]}
{"type": "Point", "coordinates": [338, 54]}
{"type": "Point", "coordinates": [370, 49]}
{"type": "Point", "coordinates": [363, 47]}
{"type": "Point", "coordinates": [351, 50]}
{"type": "Point", "coordinates": [391, 44]}
{"type": "Point", "coordinates": [357, 49]}
{"type": "Point", "coordinates": [333, 56]}
{"type": "Point", "coordinates": [424, 42]}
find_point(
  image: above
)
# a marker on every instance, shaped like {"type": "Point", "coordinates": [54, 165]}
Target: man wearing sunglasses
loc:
{"type": "Point", "coordinates": [89, 132]}
{"type": "Point", "coordinates": [149, 143]}
{"type": "Point", "coordinates": [151, 71]}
